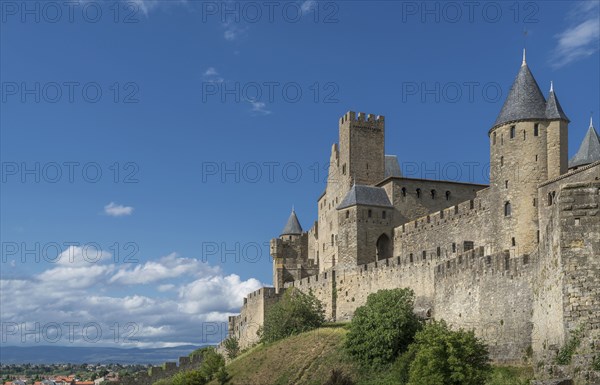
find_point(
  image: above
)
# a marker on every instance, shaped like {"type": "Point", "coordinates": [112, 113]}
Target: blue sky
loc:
{"type": "Point", "coordinates": [208, 120]}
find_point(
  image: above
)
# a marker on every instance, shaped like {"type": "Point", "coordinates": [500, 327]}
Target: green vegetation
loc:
{"type": "Point", "coordinates": [446, 357]}
{"type": "Point", "coordinates": [212, 366]}
{"type": "Point", "coordinates": [596, 363]}
{"type": "Point", "coordinates": [232, 347]}
{"type": "Point", "coordinates": [295, 313]}
{"type": "Point", "coordinates": [383, 328]}
{"type": "Point", "coordinates": [565, 354]}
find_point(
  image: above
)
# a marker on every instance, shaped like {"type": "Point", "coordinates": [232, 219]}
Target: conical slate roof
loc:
{"type": "Point", "coordinates": [365, 195]}
{"type": "Point", "coordinates": [292, 227]}
{"type": "Point", "coordinates": [553, 108]}
{"type": "Point", "coordinates": [524, 101]}
{"type": "Point", "coordinates": [392, 167]}
{"type": "Point", "coordinates": [589, 151]}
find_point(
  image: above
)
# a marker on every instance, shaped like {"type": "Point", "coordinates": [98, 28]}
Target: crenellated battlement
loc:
{"type": "Point", "coordinates": [351, 117]}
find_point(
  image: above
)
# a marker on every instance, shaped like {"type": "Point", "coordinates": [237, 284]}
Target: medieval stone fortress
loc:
{"type": "Point", "coordinates": [518, 261]}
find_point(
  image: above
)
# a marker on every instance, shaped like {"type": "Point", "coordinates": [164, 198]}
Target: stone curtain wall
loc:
{"type": "Point", "coordinates": [166, 370]}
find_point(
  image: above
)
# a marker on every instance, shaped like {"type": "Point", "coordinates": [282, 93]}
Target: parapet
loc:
{"type": "Point", "coordinates": [361, 117]}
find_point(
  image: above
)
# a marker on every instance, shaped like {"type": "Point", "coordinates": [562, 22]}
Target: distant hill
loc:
{"type": "Point", "coordinates": [91, 355]}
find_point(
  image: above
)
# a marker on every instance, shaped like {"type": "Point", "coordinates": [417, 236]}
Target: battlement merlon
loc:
{"type": "Point", "coordinates": [352, 117]}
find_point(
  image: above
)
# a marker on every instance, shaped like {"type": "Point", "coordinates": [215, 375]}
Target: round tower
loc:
{"type": "Point", "coordinates": [527, 145]}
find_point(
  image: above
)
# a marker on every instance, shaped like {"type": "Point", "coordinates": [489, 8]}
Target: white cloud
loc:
{"type": "Point", "coordinates": [115, 210]}
{"type": "Point", "coordinates": [259, 108]}
{"type": "Point", "coordinates": [307, 6]}
{"type": "Point", "coordinates": [82, 256]}
{"type": "Point", "coordinates": [233, 31]}
{"type": "Point", "coordinates": [581, 38]}
{"type": "Point", "coordinates": [198, 297]}
{"type": "Point", "coordinates": [210, 71]}
{"type": "Point", "coordinates": [166, 287]}
{"type": "Point", "coordinates": [168, 267]}
{"type": "Point", "coordinates": [217, 293]}
{"type": "Point", "coordinates": [212, 75]}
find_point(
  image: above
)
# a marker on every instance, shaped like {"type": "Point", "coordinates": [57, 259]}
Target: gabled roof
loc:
{"type": "Point", "coordinates": [553, 108]}
{"type": "Point", "coordinates": [292, 227]}
{"type": "Point", "coordinates": [589, 151]}
{"type": "Point", "coordinates": [392, 167]}
{"type": "Point", "coordinates": [365, 195]}
{"type": "Point", "coordinates": [524, 101]}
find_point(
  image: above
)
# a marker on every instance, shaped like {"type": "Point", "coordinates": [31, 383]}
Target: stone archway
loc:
{"type": "Point", "coordinates": [384, 247]}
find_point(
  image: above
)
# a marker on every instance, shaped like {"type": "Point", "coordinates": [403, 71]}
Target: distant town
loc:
{"type": "Point", "coordinates": [66, 374]}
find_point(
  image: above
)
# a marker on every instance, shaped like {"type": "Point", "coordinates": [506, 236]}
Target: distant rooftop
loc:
{"type": "Point", "coordinates": [589, 151]}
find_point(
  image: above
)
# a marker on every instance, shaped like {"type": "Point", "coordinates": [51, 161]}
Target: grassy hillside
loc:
{"type": "Point", "coordinates": [308, 358]}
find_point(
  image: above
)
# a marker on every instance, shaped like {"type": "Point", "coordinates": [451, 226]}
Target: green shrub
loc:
{"type": "Point", "coordinates": [164, 381]}
{"type": "Point", "coordinates": [565, 354]}
{"type": "Point", "coordinates": [596, 363]}
{"type": "Point", "coordinates": [382, 328]}
{"type": "Point", "coordinates": [211, 363]}
{"type": "Point", "coordinates": [337, 377]}
{"type": "Point", "coordinates": [295, 313]}
{"type": "Point", "coordinates": [446, 357]}
{"type": "Point", "coordinates": [509, 376]}
{"type": "Point", "coordinates": [193, 377]}
{"type": "Point", "coordinates": [232, 347]}
{"type": "Point", "coordinates": [222, 376]}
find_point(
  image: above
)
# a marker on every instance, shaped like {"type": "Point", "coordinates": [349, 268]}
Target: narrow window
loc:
{"type": "Point", "coordinates": [494, 139]}
{"type": "Point", "coordinates": [447, 195]}
{"type": "Point", "coordinates": [454, 247]}
{"type": "Point", "coordinates": [536, 158]}
{"type": "Point", "coordinates": [505, 184]}
{"type": "Point", "coordinates": [501, 161]}
{"type": "Point", "coordinates": [501, 138]}
{"type": "Point", "coordinates": [411, 257]}
{"type": "Point", "coordinates": [455, 209]}
{"type": "Point", "coordinates": [471, 204]}
{"type": "Point", "coordinates": [347, 213]}
{"type": "Point", "coordinates": [514, 242]}
{"type": "Point", "coordinates": [403, 191]}
{"type": "Point", "coordinates": [418, 193]}
{"type": "Point", "coordinates": [424, 255]}
{"type": "Point", "coordinates": [524, 135]}
{"type": "Point", "coordinates": [549, 199]}
{"type": "Point", "coordinates": [367, 166]}
{"type": "Point", "coordinates": [507, 209]}
{"type": "Point", "coordinates": [538, 236]}
{"type": "Point", "coordinates": [534, 202]}
{"type": "Point", "coordinates": [536, 129]}
{"type": "Point", "coordinates": [370, 213]}
{"type": "Point", "coordinates": [512, 131]}
{"type": "Point", "coordinates": [432, 194]}
{"type": "Point", "coordinates": [383, 214]}
{"type": "Point", "coordinates": [344, 169]}
{"type": "Point", "coordinates": [439, 251]}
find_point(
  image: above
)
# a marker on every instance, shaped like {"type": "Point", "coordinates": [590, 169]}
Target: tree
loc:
{"type": "Point", "coordinates": [382, 328]}
{"type": "Point", "coordinates": [222, 376]}
{"type": "Point", "coordinates": [446, 357]}
{"type": "Point", "coordinates": [232, 347]}
{"type": "Point", "coordinates": [295, 313]}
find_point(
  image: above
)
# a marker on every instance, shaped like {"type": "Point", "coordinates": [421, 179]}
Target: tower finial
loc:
{"type": "Point", "coordinates": [293, 208]}
{"type": "Point", "coordinates": [591, 120]}
{"type": "Point", "coordinates": [524, 61]}
{"type": "Point", "coordinates": [551, 86]}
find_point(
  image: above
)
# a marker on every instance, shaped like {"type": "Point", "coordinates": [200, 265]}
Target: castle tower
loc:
{"type": "Point", "coordinates": [519, 162]}
{"type": "Point", "coordinates": [359, 159]}
{"type": "Point", "coordinates": [362, 156]}
{"type": "Point", "coordinates": [589, 151]}
{"type": "Point", "coordinates": [290, 253]}
{"type": "Point", "coordinates": [557, 136]}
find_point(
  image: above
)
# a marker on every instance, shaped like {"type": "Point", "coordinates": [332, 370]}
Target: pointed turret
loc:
{"type": "Point", "coordinates": [525, 100]}
{"type": "Point", "coordinates": [553, 109]}
{"type": "Point", "coordinates": [589, 151]}
{"type": "Point", "coordinates": [292, 227]}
